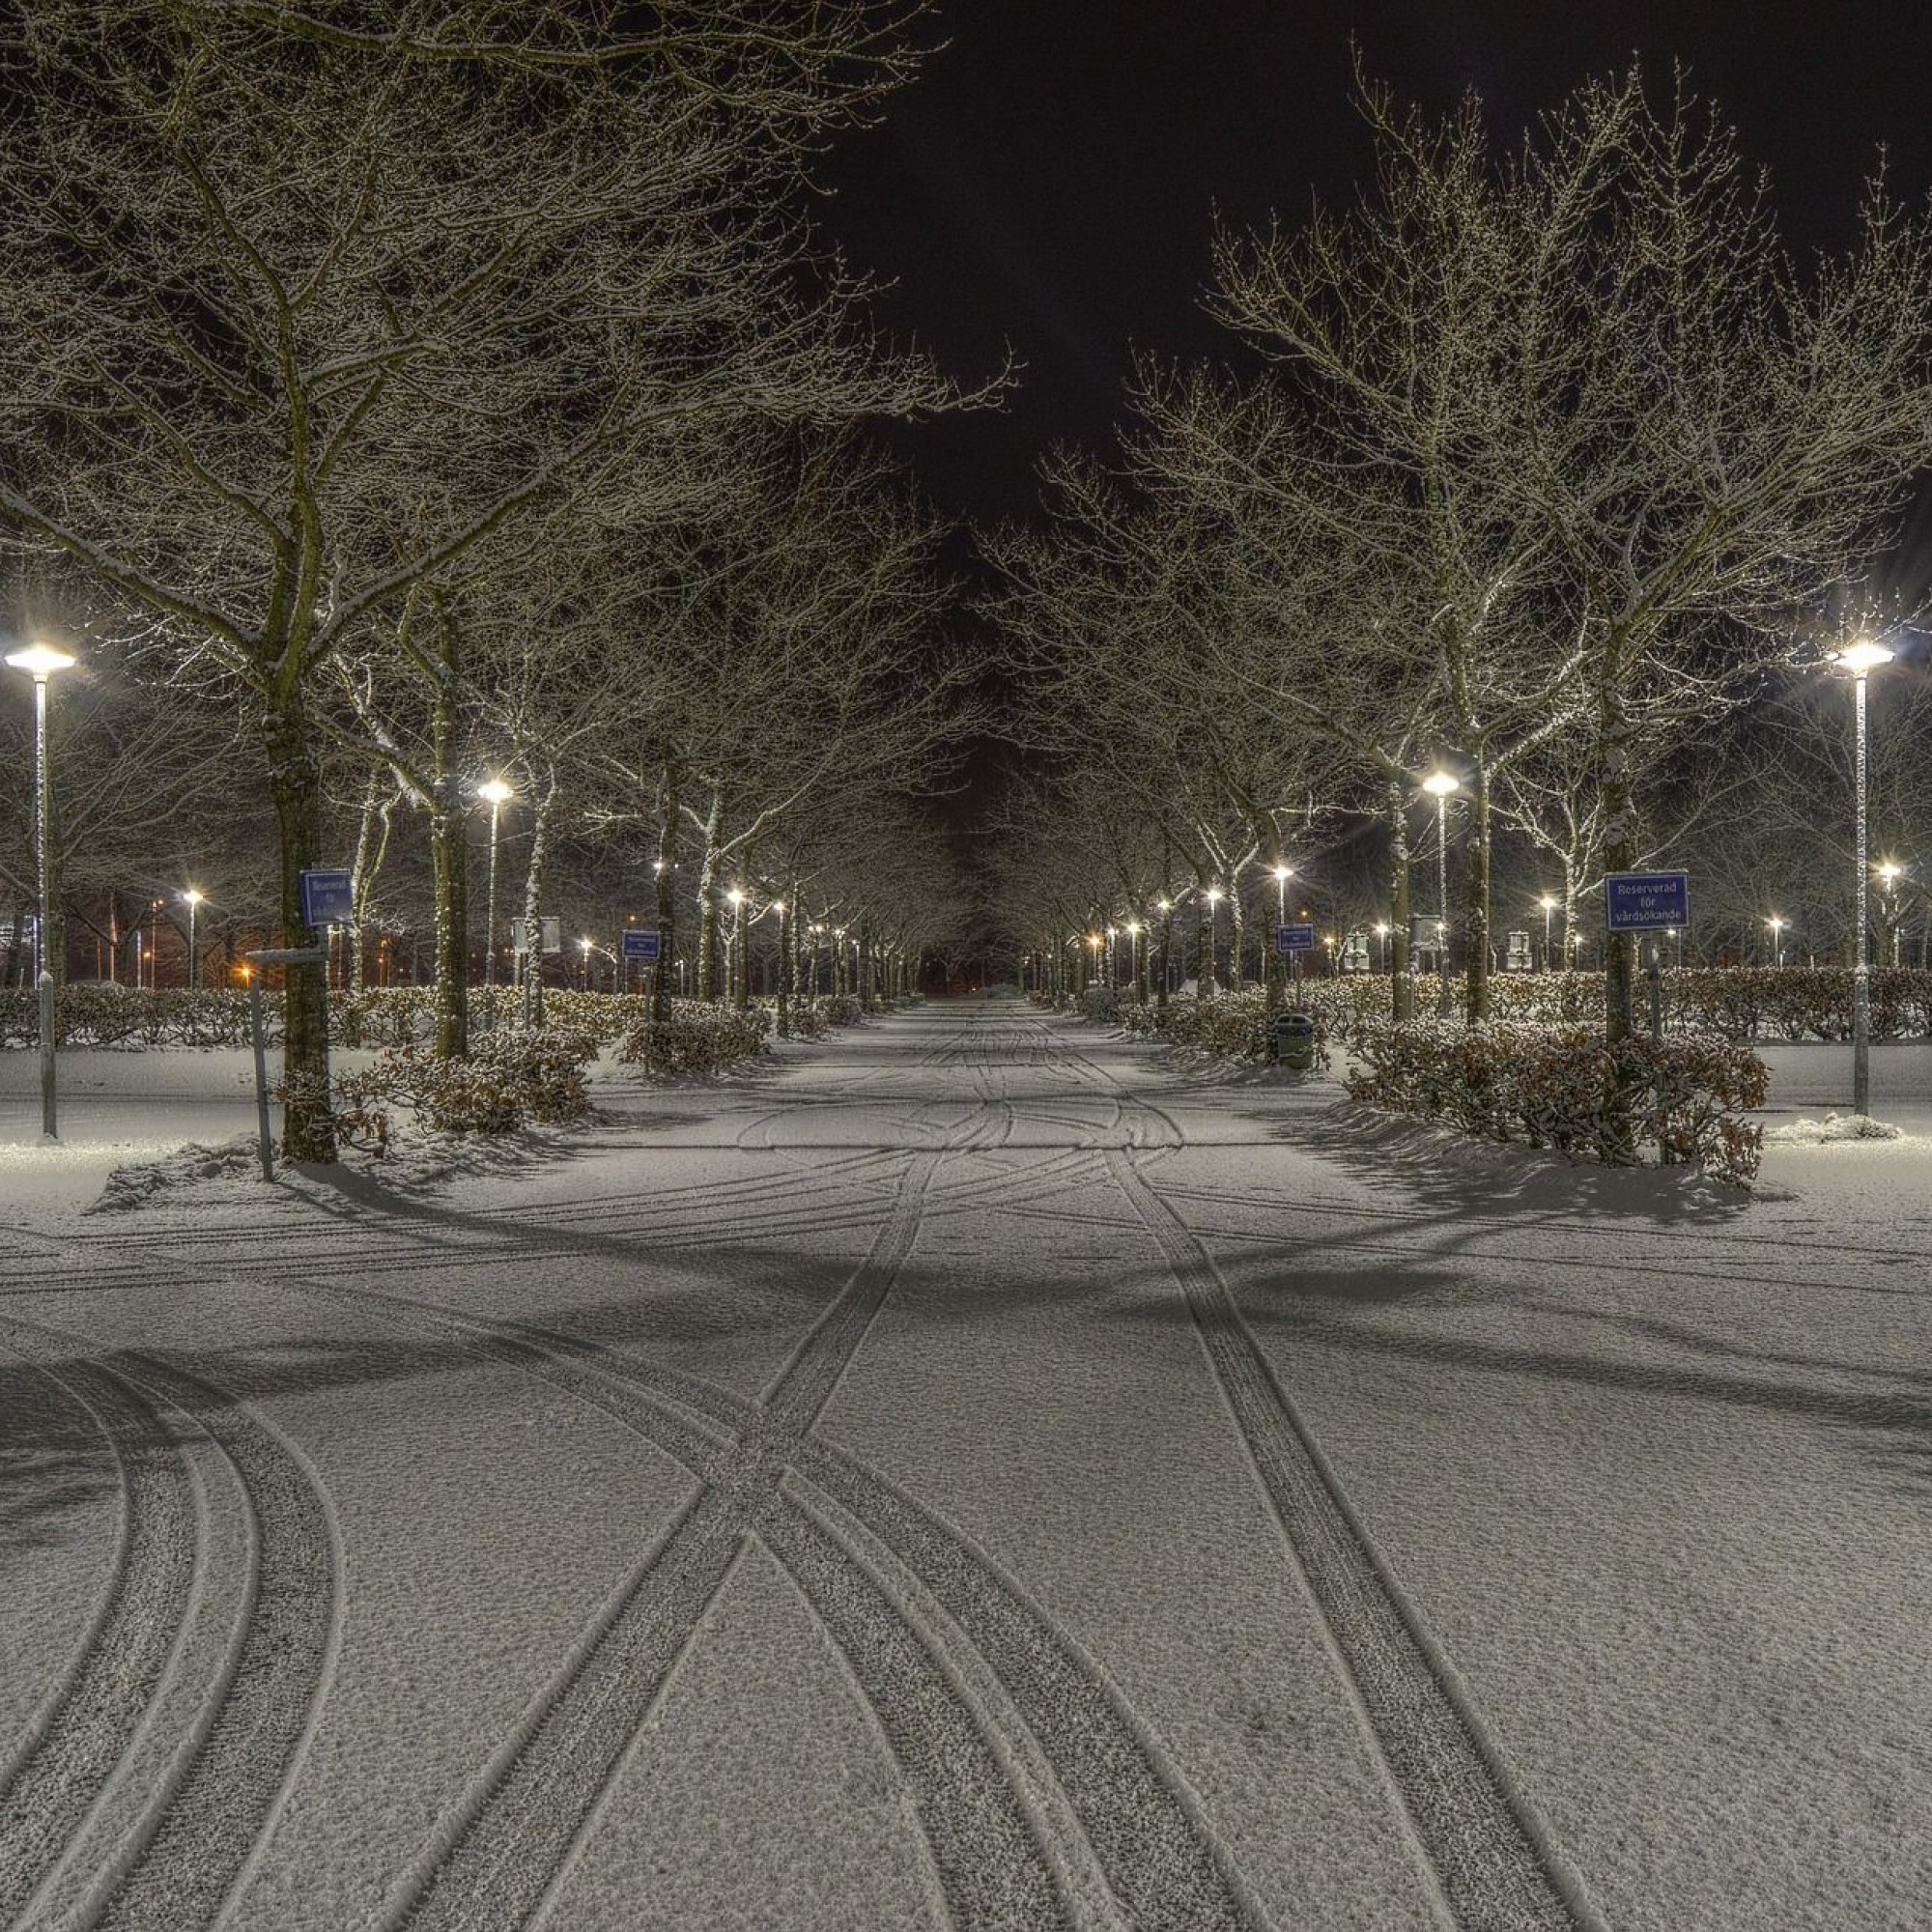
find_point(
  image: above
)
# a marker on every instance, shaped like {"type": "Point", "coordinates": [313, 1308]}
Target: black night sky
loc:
{"type": "Point", "coordinates": [1051, 179]}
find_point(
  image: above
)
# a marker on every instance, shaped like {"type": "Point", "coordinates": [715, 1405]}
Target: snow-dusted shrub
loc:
{"type": "Point", "coordinates": [1565, 1088]}
{"type": "Point", "coordinates": [805, 1019]}
{"type": "Point", "coordinates": [510, 1075]}
{"type": "Point", "coordinates": [389, 1015]}
{"type": "Point", "coordinates": [1101, 1002]}
{"type": "Point", "coordinates": [697, 1038]}
{"type": "Point", "coordinates": [841, 1009]}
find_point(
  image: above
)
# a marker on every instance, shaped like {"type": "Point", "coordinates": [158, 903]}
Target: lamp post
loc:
{"type": "Point", "coordinates": [1439, 785]}
{"type": "Point", "coordinates": [1548, 906]}
{"type": "Point", "coordinates": [1277, 972]}
{"type": "Point", "coordinates": [1860, 659]}
{"type": "Point", "coordinates": [1134, 959]}
{"type": "Point", "coordinates": [1382, 947]}
{"type": "Point", "coordinates": [1777, 926]}
{"type": "Point", "coordinates": [1213, 937]}
{"type": "Point", "coordinates": [498, 793]}
{"type": "Point", "coordinates": [41, 662]}
{"type": "Point", "coordinates": [191, 898]}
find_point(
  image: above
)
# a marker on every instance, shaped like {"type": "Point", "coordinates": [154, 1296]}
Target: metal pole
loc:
{"type": "Point", "coordinates": [1442, 903]}
{"type": "Point", "coordinates": [43, 839]}
{"type": "Point", "coordinates": [489, 906]}
{"type": "Point", "coordinates": [1861, 983]}
{"type": "Point", "coordinates": [266, 1145]}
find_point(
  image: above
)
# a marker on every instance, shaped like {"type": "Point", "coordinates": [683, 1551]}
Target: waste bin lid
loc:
{"type": "Point", "coordinates": [1293, 1023]}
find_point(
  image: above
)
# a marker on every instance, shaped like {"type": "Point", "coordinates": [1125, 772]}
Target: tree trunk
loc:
{"type": "Point", "coordinates": [1619, 855]}
{"type": "Point", "coordinates": [667, 896]}
{"type": "Point", "coordinates": [1476, 968]}
{"type": "Point", "coordinates": [1204, 933]}
{"type": "Point", "coordinates": [295, 790]}
{"type": "Point", "coordinates": [1402, 986]}
{"type": "Point", "coordinates": [450, 859]}
{"type": "Point", "coordinates": [372, 845]}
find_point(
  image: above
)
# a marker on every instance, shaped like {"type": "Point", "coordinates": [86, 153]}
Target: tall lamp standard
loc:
{"type": "Point", "coordinates": [1439, 785]}
{"type": "Point", "coordinates": [1777, 926]}
{"type": "Point", "coordinates": [1277, 962]}
{"type": "Point", "coordinates": [191, 898]}
{"type": "Point", "coordinates": [498, 794]}
{"type": "Point", "coordinates": [1548, 906]}
{"type": "Point", "coordinates": [41, 662]}
{"type": "Point", "coordinates": [1860, 659]}
{"type": "Point", "coordinates": [1214, 935]}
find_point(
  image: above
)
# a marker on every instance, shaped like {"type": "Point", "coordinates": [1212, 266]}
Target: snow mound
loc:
{"type": "Point", "coordinates": [192, 1166]}
{"type": "Point", "coordinates": [1834, 1127]}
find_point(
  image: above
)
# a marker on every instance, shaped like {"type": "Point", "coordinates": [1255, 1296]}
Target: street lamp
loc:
{"type": "Point", "coordinates": [41, 662]}
{"type": "Point", "coordinates": [1777, 926]}
{"type": "Point", "coordinates": [191, 899]}
{"type": "Point", "coordinates": [498, 793]}
{"type": "Point", "coordinates": [1134, 956]}
{"type": "Point", "coordinates": [1548, 906]}
{"type": "Point", "coordinates": [1214, 897]}
{"type": "Point", "coordinates": [1861, 658]}
{"type": "Point", "coordinates": [1381, 946]}
{"type": "Point", "coordinates": [1439, 785]}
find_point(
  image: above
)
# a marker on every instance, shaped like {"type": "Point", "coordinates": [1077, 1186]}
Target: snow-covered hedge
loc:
{"type": "Point", "coordinates": [1735, 1003]}
{"type": "Point", "coordinates": [1564, 1087]}
{"type": "Point", "coordinates": [697, 1038]}
{"type": "Point", "coordinates": [511, 1074]}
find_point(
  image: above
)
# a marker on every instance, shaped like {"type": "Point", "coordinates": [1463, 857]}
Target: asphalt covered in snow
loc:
{"type": "Point", "coordinates": [970, 1471]}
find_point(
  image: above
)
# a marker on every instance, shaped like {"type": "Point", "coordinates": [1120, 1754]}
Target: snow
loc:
{"type": "Point", "coordinates": [973, 1470]}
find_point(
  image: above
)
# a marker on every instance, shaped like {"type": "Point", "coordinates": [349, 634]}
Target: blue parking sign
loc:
{"type": "Point", "coordinates": [328, 898]}
{"type": "Point", "coordinates": [1294, 939]}
{"type": "Point", "coordinates": [642, 945]}
{"type": "Point", "coordinates": [1647, 901]}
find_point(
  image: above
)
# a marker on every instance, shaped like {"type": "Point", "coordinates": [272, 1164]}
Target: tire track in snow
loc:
{"type": "Point", "coordinates": [79, 1735]}
{"type": "Point", "coordinates": [512, 1839]}
{"type": "Point", "coordinates": [1492, 1858]}
{"type": "Point", "coordinates": [200, 1828]}
{"type": "Point", "coordinates": [1153, 1853]}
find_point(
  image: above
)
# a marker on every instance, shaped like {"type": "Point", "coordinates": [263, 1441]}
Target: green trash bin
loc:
{"type": "Point", "coordinates": [1295, 1042]}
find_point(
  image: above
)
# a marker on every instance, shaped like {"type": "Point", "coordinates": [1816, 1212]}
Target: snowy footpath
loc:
{"type": "Point", "coordinates": [968, 1472]}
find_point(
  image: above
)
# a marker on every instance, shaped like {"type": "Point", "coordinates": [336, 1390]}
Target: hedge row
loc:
{"type": "Point", "coordinates": [395, 1017]}
{"type": "Point", "coordinates": [1748, 1003]}
{"type": "Point", "coordinates": [1564, 1087]}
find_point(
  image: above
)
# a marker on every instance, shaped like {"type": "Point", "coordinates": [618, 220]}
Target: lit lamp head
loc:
{"type": "Point", "coordinates": [1890, 873]}
{"type": "Point", "coordinates": [1214, 895]}
{"type": "Point", "coordinates": [1548, 903]}
{"type": "Point", "coordinates": [1166, 905]}
{"type": "Point", "coordinates": [1862, 656]}
{"type": "Point", "coordinates": [495, 792]}
{"type": "Point", "coordinates": [1283, 873]}
{"type": "Point", "coordinates": [735, 895]}
{"type": "Point", "coordinates": [192, 899]}
{"type": "Point", "coordinates": [1438, 784]}
{"type": "Point", "coordinates": [41, 661]}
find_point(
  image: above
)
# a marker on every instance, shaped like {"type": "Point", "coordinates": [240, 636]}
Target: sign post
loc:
{"type": "Point", "coordinates": [286, 956]}
{"type": "Point", "coordinates": [1292, 942]}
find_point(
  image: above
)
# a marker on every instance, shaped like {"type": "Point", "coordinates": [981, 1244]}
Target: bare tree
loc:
{"type": "Point", "coordinates": [277, 281]}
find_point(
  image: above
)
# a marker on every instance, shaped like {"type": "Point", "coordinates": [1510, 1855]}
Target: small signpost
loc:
{"type": "Point", "coordinates": [1292, 942]}
{"type": "Point", "coordinates": [1647, 901]}
{"type": "Point", "coordinates": [550, 934]}
{"type": "Point", "coordinates": [1650, 902]}
{"type": "Point", "coordinates": [285, 955]}
{"type": "Point", "coordinates": [328, 898]}
{"type": "Point", "coordinates": [648, 945]}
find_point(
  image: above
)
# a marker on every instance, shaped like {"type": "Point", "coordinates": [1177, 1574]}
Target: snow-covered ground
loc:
{"type": "Point", "coordinates": [968, 1471]}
